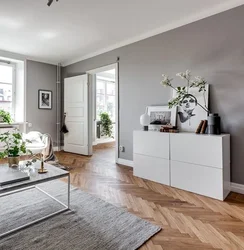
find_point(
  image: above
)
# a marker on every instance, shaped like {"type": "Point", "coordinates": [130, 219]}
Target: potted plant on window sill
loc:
{"type": "Point", "coordinates": [14, 146]}
{"type": "Point", "coordinates": [5, 117]}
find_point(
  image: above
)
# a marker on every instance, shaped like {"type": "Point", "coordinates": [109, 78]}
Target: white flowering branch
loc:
{"type": "Point", "coordinates": [198, 82]}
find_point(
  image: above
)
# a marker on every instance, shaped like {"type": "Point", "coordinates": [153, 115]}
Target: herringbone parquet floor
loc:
{"type": "Point", "coordinates": [189, 221]}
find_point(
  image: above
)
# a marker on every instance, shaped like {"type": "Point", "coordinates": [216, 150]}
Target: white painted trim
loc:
{"type": "Point", "coordinates": [20, 57]}
{"type": "Point", "coordinates": [173, 25]}
{"type": "Point", "coordinates": [116, 112]}
{"type": "Point", "coordinates": [101, 69]}
{"type": "Point", "coordinates": [56, 148]}
{"type": "Point", "coordinates": [25, 96]}
{"type": "Point", "coordinates": [237, 188]}
{"type": "Point", "coordinates": [125, 162]}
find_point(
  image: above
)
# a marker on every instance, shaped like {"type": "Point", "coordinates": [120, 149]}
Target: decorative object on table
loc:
{"type": "Point", "coordinates": [14, 146]}
{"type": "Point", "coordinates": [42, 170]}
{"type": "Point", "coordinates": [169, 129]}
{"type": "Point", "coordinates": [161, 115]}
{"type": "Point", "coordinates": [5, 117]}
{"type": "Point", "coordinates": [192, 100]}
{"type": "Point", "coordinates": [106, 125]}
{"type": "Point", "coordinates": [145, 121]}
{"type": "Point", "coordinates": [64, 128]}
{"type": "Point", "coordinates": [198, 130]}
{"type": "Point", "coordinates": [204, 127]}
{"type": "Point", "coordinates": [44, 99]}
{"type": "Point", "coordinates": [214, 124]}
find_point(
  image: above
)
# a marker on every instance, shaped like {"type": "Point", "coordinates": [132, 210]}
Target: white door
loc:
{"type": "Point", "coordinates": [76, 109]}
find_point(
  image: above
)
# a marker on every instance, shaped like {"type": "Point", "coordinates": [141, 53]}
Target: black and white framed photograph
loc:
{"type": "Point", "coordinates": [189, 113]}
{"type": "Point", "coordinates": [161, 115]}
{"type": "Point", "coordinates": [44, 99]}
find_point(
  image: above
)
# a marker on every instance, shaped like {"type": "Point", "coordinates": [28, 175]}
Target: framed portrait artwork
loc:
{"type": "Point", "coordinates": [161, 115]}
{"type": "Point", "coordinates": [189, 112]}
{"type": "Point", "coordinates": [44, 99]}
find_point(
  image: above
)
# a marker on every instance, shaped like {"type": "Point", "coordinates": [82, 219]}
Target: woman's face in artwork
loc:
{"type": "Point", "coordinates": [188, 104]}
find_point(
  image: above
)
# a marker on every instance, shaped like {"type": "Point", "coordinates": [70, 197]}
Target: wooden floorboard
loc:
{"type": "Point", "coordinates": [189, 221]}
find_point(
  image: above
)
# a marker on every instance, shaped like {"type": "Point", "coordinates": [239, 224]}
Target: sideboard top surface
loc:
{"type": "Point", "coordinates": [183, 133]}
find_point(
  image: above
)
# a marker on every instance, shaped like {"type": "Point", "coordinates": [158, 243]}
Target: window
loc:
{"type": "Point", "coordinates": [7, 80]}
{"type": "Point", "coordinates": [105, 98]}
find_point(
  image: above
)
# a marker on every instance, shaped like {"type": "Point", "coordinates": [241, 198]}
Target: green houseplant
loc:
{"type": "Point", "coordinates": [14, 146]}
{"type": "Point", "coordinates": [106, 123]}
{"type": "Point", "coordinates": [5, 116]}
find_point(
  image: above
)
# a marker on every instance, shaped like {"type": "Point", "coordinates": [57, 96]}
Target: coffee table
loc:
{"type": "Point", "coordinates": [35, 178]}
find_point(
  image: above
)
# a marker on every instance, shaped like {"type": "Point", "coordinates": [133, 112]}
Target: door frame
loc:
{"type": "Point", "coordinates": [93, 72]}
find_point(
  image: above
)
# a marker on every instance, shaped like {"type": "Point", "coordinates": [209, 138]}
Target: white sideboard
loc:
{"type": "Point", "coordinates": [196, 163]}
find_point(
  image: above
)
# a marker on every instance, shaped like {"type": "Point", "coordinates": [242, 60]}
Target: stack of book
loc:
{"type": "Point", "coordinates": [169, 129]}
{"type": "Point", "coordinates": [202, 127]}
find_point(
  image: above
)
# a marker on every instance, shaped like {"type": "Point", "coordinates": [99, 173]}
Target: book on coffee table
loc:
{"type": "Point", "coordinates": [11, 175]}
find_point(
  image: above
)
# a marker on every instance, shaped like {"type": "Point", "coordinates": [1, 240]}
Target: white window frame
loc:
{"type": "Point", "coordinates": [13, 65]}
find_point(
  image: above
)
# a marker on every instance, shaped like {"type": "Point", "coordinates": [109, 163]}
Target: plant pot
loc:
{"type": "Point", "coordinates": [13, 161]}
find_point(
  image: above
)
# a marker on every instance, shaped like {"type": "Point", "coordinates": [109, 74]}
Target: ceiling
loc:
{"type": "Point", "coordinates": [71, 30]}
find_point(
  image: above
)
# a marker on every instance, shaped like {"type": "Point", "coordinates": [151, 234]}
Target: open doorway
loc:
{"type": "Point", "coordinates": [105, 110]}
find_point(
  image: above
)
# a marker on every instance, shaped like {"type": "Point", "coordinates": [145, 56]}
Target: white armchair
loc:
{"type": "Point", "coordinates": [38, 140]}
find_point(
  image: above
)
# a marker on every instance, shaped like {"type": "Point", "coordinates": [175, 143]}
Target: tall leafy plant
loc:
{"type": "Point", "coordinates": [106, 123]}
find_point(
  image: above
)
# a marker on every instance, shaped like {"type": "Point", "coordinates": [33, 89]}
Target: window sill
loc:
{"type": "Point", "coordinates": [6, 125]}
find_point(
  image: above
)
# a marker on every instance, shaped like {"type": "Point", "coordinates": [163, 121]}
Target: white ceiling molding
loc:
{"type": "Point", "coordinates": [195, 17]}
{"type": "Point", "coordinates": [19, 57]}
{"type": "Point", "coordinates": [36, 59]}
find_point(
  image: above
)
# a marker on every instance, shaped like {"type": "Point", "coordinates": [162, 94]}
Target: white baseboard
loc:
{"type": "Point", "coordinates": [56, 148]}
{"type": "Point", "coordinates": [125, 162]}
{"type": "Point", "coordinates": [238, 188]}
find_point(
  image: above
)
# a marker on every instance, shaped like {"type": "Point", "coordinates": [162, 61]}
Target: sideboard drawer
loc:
{"type": "Point", "coordinates": [152, 168]}
{"type": "Point", "coordinates": [197, 149]}
{"type": "Point", "coordinates": [151, 143]}
{"type": "Point", "coordinates": [197, 179]}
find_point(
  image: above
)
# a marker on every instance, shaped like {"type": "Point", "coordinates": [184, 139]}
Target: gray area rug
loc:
{"type": "Point", "coordinates": [91, 224]}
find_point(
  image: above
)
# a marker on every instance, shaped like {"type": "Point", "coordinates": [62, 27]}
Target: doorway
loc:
{"type": "Point", "coordinates": [105, 109]}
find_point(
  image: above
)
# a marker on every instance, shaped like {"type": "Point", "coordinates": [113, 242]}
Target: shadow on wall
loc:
{"type": "Point", "coordinates": [227, 99]}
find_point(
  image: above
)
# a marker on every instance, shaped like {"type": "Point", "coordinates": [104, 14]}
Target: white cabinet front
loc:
{"type": "Point", "coordinates": [151, 143]}
{"type": "Point", "coordinates": [197, 149]}
{"type": "Point", "coordinates": [197, 179]}
{"type": "Point", "coordinates": [152, 168]}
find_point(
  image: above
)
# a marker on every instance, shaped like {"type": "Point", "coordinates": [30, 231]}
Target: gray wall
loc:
{"type": "Point", "coordinates": [212, 48]}
{"type": "Point", "coordinates": [41, 76]}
